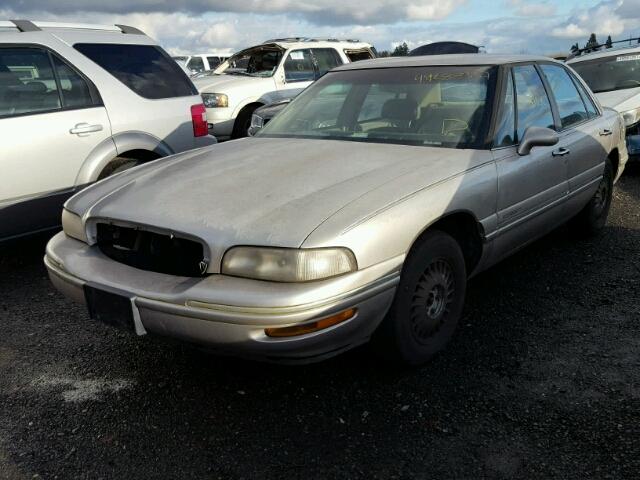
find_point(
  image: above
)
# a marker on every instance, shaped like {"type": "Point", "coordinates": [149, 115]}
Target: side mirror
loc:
{"type": "Point", "coordinates": [537, 137]}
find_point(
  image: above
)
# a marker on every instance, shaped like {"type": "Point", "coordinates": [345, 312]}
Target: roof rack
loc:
{"type": "Point", "coordinates": [311, 39]}
{"type": "Point", "coordinates": [597, 48]}
{"type": "Point", "coordinates": [29, 26]}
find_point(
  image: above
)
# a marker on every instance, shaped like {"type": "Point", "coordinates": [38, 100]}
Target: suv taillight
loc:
{"type": "Point", "coordinates": [199, 120]}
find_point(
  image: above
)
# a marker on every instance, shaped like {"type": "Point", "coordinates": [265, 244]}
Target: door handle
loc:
{"type": "Point", "coordinates": [561, 152]}
{"type": "Point", "coordinates": [606, 132]}
{"type": "Point", "coordinates": [84, 128]}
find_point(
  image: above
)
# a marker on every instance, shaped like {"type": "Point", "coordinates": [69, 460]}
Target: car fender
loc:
{"type": "Point", "coordinates": [111, 147]}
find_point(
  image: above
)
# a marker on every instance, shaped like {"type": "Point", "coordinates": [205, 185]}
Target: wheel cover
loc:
{"type": "Point", "coordinates": [432, 299]}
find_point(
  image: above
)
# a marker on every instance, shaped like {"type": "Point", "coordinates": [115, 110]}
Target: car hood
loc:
{"type": "Point", "coordinates": [223, 83]}
{"type": "Point", "coordinates": [620, 100]}
{"type": "Point", "coordinates": [258, 191]}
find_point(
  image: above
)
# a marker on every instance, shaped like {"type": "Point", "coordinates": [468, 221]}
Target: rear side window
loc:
{"type": "Point", "coordinates": [570, 105]}
{"type": "Point", "coordinates": [145, 69]}
{"type": "Point", "coordinates": [74, 90]}
{"type": "Point", "coordinates": [196, 64]}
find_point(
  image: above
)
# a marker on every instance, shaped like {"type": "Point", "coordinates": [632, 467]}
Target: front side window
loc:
{"type": "Point", "coordinates": [27, 82]}
{"type": "Point", "coordinates": [326, 59]}
{"type": "Point", "coordinates": [570, 105]}
{"type": "Point", "coordinates": [145, 69]}
{"type": "Point", "coordinates": [298, 67]}
{"type": "Point", "coordinates": [532, 102]}
{"type": "Point", "coordinates": [610, 73]}
{"type": "Point", "coordinates": [408, 106]}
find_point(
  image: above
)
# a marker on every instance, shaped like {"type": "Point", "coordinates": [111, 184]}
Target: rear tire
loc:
{"type": "Point", "coordinates": [593, 216]}
{"type": "Point", "coordinates": [428, 302]}
{"type": "Point", "coordinates": [117, 165]}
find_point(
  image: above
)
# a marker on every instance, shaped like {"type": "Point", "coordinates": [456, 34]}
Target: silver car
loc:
{"type": "Point", "coordinates": [356, 214]}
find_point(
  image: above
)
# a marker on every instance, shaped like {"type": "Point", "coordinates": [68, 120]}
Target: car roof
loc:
{"type": "Point", "coordinates": [444, 60]}
{"type": "Point", "coordinates": [609, 52]}
{"type": "Point", "coordinates": [303, 42]}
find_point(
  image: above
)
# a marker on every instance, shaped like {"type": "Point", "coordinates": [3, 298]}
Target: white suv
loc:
{"type": "Point", "coordinates": [202, 62]}
{"type": "Point", "coordinates": [81, 102]}
{"type": "Point", "coordinates": [237, 87]}
{"type": "Point", "coordinates": [612, 74]}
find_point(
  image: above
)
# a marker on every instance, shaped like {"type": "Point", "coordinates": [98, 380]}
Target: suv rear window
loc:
{"type": "Point", "coordinates": [145, 69]}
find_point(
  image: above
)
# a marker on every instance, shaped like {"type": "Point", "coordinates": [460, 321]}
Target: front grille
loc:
{"type": "Point", "coordinates": [154, 252]}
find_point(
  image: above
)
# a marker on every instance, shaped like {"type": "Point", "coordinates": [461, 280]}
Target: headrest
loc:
{"type": "Point", "coordinates": [400, 109]}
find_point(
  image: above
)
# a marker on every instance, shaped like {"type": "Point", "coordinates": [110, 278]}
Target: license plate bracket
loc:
{"type": "Point", "coordinates": [111, 307]}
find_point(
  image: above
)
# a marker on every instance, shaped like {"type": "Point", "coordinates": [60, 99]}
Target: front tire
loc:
{"type": "Point", "coordinates": [428, 302]}
{"type": "Point", "coordinates": [593, 216]}
{"type": "Point", "coordinates": [243, 122]}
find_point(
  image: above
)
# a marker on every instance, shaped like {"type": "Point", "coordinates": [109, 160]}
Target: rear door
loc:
{"type": "Point", "coordinates": [584, 137]}
{"type": "Point", "coordinates": [51, 118]}
{"type": "Point", "coordinates": [532, 189]}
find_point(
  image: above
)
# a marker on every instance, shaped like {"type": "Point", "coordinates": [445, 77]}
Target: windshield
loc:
{"type": "Point", "coordinates": [610, 73]}
{"type": "Point", "coordinates": [432, 106]}
{"type": "Point", "coordinates": [258, 62]}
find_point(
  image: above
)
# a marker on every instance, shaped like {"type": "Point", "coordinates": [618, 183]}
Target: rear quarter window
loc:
{"type": "Point", "coordinates": [146, 69]}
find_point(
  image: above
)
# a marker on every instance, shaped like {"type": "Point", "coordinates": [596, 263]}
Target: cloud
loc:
{"type": "Point", "coordinates": [610, 17]}
{"type": "Point", "coordinates": [522, 8]}
{"type": "Point", "coordinates": [327, 12]}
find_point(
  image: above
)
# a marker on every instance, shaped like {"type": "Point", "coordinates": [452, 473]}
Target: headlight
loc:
{"type": "Point", "coordinates": [288, 264]}
{"type": "Point", "coordinates": [72, 226]}
{"type": "Point", "coordinates": [215, 100]}
{"type": "Point", "coordinates": [631, 117]}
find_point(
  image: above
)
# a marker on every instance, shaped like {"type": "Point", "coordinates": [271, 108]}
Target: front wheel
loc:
{"type": "Point", "coordinates": [243, 122]}
{"type": "Point", "coordinates": [594, 215]}
{"type": "Point", "coordinates": [428, 302]}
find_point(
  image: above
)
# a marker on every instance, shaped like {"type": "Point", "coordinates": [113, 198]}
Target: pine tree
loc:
{"type": "Point", "coordinates": [609, 43]}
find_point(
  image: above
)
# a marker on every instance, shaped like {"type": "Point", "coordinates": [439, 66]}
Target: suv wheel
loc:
{"type": "Point", "coordinates": [594, 215]}
{"type": "Point", "coordinates": [428, 302]}
{"type": "Point", "coordinates": [117, 165]}
{"type": "Point", "coordinates": [243, 122]}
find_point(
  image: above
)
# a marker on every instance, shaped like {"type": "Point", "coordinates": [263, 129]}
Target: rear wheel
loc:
{"type": "Point", "coordinates": [117, 165]}
{"type": "Point", "coordinates": [428, 302]}
{"type": "Point", "coordinates": [594, 215]}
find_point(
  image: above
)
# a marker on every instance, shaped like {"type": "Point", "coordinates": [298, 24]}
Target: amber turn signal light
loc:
{"type": "Point", "coordinates": [312, 326]}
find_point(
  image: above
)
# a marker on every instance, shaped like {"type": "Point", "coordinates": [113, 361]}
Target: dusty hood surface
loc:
{"type": "Point", "coordinates": [620, 100]}
{"type": "Point", "coordinates": [259, 191]}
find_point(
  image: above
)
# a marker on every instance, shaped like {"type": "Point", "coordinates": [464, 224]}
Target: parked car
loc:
{"type": "Point", "coordinates": [357, 213]}
{"type": "Point", "coordinates": [613, 74]}
{"type": "Point", "coordinates": [202, 62]}
{"type": "Point", "coordinates": [234, 90]}
{"type": "Point", "coordinates": [79, 103]}
{"type": "Point", "coordinates": [263, 115]}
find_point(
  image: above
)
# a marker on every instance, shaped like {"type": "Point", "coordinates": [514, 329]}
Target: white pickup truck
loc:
{"type": "Point", "coordinates": [271, 70]}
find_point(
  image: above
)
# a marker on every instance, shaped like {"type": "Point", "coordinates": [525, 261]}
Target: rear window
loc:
{"type": "Point", "coordinates": [145, 69]}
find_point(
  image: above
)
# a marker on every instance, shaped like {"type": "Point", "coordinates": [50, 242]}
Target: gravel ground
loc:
{"type": "Point", "coordinates": [541, 381]}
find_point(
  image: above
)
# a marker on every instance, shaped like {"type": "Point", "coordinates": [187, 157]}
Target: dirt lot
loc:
{"type": "Point", "coordinates": [541, 381]}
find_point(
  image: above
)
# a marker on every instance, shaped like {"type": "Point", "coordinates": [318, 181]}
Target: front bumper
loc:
{"type": "Point", "coordinates": [230, 314]}
{"type": "Point", "coordinates": [221, 122]}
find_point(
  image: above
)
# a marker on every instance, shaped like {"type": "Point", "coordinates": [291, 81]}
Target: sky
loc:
{"type": "Point", "coordinates": [501, 26]}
